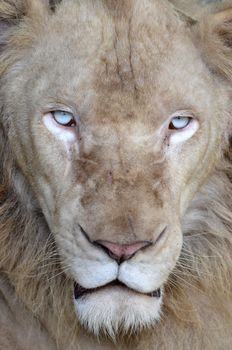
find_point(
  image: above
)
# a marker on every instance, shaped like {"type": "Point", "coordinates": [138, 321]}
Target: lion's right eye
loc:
{"type": "Point", "coordinates": [64, 118]}
{"type": "Point", "coordinates": [63, 125]}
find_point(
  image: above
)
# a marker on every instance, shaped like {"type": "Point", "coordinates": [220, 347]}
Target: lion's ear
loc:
{"type": "Point", "coordinates": [214, 33]}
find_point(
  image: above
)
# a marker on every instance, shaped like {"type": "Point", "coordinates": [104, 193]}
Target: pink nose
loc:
{"type": "Point", "coordinates": [122, 252]}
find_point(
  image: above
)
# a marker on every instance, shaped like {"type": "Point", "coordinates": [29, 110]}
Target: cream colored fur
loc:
{"type": "Point", "coordinates": [122, 87]}
{"type": "Point", "coordinates": [198, 8]}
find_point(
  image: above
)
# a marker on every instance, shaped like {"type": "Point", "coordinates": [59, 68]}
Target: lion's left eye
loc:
{"type": "Point", "coordinates": [182, 126]}
{"type": "Point", "coordinates": [64, 118]}
{"type": "Point", "coordinates": [179, 122]}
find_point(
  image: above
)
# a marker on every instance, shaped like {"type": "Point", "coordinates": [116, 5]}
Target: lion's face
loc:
{"type": "Point", "coordinates": [116, 126]}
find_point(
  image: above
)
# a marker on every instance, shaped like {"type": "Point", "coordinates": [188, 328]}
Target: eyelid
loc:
{"type": "Point", "coordinates": [183, 113]}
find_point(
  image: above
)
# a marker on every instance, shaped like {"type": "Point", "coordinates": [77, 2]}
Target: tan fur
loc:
{"type": "Point", "coordinates": [40, 195]}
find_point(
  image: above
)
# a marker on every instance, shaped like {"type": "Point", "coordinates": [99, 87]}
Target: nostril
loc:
{"type": "Point", "coordinates": [122, 252]}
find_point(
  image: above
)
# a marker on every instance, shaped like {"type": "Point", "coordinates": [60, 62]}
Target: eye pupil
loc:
{"type": "Point", "coordinates": [64, 118]}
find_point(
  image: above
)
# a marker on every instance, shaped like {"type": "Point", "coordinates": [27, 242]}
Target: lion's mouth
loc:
{"type": "Point", "coordinates": [79, 291]}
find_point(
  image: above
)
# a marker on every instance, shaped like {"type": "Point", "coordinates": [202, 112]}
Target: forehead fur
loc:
{"type": "Point", "coordinates": [121, 53]}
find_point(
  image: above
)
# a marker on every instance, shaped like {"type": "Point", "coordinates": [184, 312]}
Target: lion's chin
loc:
{"type": "Point", "coordinates": [114, 309]}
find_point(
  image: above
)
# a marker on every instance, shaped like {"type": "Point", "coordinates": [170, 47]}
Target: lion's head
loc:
{"type": "Point", "coordinates": [114, 115]}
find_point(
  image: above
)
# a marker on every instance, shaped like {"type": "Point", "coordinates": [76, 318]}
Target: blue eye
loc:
{"type": "Point", "coordinates": [179, 122]}
{"type": "Point", "coordinates": [64, 118]}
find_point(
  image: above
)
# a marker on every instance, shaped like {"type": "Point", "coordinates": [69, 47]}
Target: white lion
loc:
{"type": "Point", "coordinates": [115, 180]}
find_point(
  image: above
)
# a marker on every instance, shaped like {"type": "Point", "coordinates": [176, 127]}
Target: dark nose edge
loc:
{"type": "Point", "coordinates": [121, 252]}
